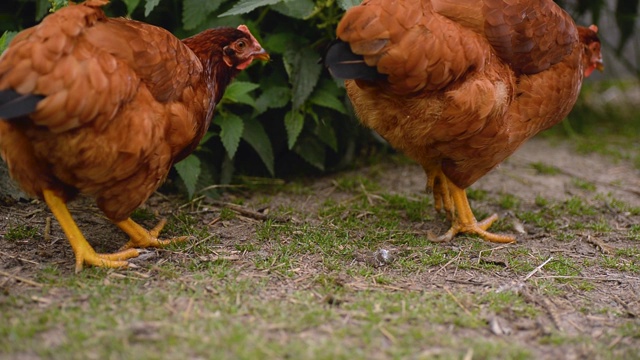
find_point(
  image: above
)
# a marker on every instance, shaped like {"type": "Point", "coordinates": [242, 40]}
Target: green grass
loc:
{"type": "Point", "coordinates": [20, 232]}
{"type": "Point", "coordinates": [545, 169]}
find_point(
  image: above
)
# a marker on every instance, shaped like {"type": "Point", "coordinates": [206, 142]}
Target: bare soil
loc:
{"type": "Point", "coordinates": [597, 313]}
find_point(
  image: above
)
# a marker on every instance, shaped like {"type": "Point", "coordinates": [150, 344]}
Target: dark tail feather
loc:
{"type": "Point", "coordinates": [14, 105]}
{"type": "Point", "coordinates": [344, 64]}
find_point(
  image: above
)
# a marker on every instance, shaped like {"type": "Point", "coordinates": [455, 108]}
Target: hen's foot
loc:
{"type": "Point", "coordinates": [141, 238]}
{"type": "Point", "coordinates": [477, 228]}
{"type": "Point", "coordinates": [454, 201]}
{"type": "Point", "coordinates": [81, 248]}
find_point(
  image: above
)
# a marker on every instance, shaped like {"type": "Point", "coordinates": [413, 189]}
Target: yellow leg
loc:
{"type": "Point", "coordinates": [83, 251]}
{"type": "Point", "coordinates": [141, 238]}
{"type": "Point", "coordinates": [437, 185]}
{"type": "Point", "coordinates": [454, 200]}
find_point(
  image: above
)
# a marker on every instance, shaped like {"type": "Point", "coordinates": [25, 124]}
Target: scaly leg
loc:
{"type": "Point", "coordinates": [455, 203]}
{"type": "Point", "coordinates": [141, 238]}
{"type": "Point", "coordinates": [437, 185]}
{"type": "Point", "coordinates": [81, 248]}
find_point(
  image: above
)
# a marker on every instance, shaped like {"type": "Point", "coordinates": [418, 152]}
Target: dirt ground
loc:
{"type": "Point", "coordinates": [612, 303]}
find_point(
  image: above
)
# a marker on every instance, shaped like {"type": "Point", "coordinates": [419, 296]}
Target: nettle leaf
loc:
{"type": "Point", "coordinates": [194, 12]}
{"type": "Point", "coordinates": [312, 151]}
{"type": "Point", "coordinates": [149, 5]}
{"type": "Point", "coordinates": [42, 8]}
{"type": "Point", "coordinates": [273, 98]}
{"type": "Point", "coordinates": [304, 71]}
{"type": "Point", "coordinates": [245, 6]}
{"type": "Point", "coordinates": [297, 9]}
{"type": "Point", "coordinates": [346, 4]}
{"type": "Point", "coordinates": [238, 92]}
{"type": "Point", "coordinates": [257, 137]}
{"type": "Point", "coordinates": [131, 5]}
{"type": "Point", "coordinates": [189, 171]}
{"type": "Point", "coordinates": [58, 4]}
{"type": "Point", "coordinates": [278, 43]}
{"type": "Point", "coordinates": [231, 128]}
{"type": "Point", "coordinates": [207, 136]}
{"type": "Point", "coordinates": [326, 99]}
{"type": "Point", "coordinates": [327, 135]}
{"type": "Point", "coordinates": [293, 122]}
{"type": "Point", "coordinates": [5, 39]}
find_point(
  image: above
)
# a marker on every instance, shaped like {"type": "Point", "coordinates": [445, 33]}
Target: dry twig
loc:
{"type": "Point", "coordinates": [21, 279]}
{"type": "Point", "coordinates": [247, 212]}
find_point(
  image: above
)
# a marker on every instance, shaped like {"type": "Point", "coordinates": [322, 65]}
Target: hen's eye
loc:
{"type": "Point", "coordinates": [241, 45]}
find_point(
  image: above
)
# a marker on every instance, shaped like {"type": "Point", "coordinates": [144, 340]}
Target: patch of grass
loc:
{"type": "Point", "coordinates": [620, 263]}
{"type": "Point", "coordinates": [509, 302]}
{"type": "Point", "coordinates": [585, 185]}
{"type": "Point", "coordinates": [142, 214]}
{"type": "Point", "coordinates": [20, 232]}
{"type": "Point", "coordinates": [509, 202]}
{"type": "Point", "coordinates": [356, 184]}
{"type": "Point", "coordinates": [600, 226]}
{"type": "Point", "coordinates": [634, 232]}
{"type": "Point", "coordinates": [578, 207]}
{"type": "Point", "coordinates": [563, 266]}
{"type": "Point", "coordinates": [545, 169]}
{"type": "Point", "coordinates": [227, 214]}
{"type": "Point", "coordinates": [541, 201]}
{"type": "Point", "coordinates": [540, 219]}
{"type": "Point", "coordinates": [476, 194]}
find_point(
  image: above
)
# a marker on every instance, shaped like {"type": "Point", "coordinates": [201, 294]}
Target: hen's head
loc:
{"type": "Point", "coordinates": [591, 44]}
{"type": "Point", "coordinates": [242, 49]}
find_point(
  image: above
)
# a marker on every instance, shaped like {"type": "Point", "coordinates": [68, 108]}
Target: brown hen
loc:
{"type": "Point", "coordinates": [459, 85]}
{"type": "Point", "coordinates": [104, 107]}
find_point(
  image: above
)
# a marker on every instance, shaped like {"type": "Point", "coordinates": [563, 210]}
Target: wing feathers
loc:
{"type": "Point", "coordinates": [14, 104]}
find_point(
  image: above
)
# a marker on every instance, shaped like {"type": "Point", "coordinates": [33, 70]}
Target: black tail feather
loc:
{"type": "Point", "coordinates": [344, 64]}
{"type": "Point", "coordinates": [14, 105]}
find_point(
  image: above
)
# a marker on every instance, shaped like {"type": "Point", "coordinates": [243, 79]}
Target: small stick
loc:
{"type": "Point", "coordinates": [21, 279]}
{"type": "Point", "coordinates": [517, 285]}
{"type": "Point", "coordinates": [537, 269]}
{"type": "Point", "coordinates": [247, 212]}
{"type": "Point", "coordinates": [448, 263]}
{"type": "Point", "coordinates": [19, 258]}
{"type": "Point", "coordinates": [388, 335]}
{"type": "Point", "coordinates": [457, 301]}
{"type": "Point", "coordinates": [47, 229]}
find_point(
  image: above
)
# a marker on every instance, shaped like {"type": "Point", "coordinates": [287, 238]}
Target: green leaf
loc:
{"type": "Point", "coordinates": [231, 126]}
{"type": "Point", "coordinates": [297, 9]}
{"type": "Point", "coordinates": [293, 122]}
{"type": "Point", "coordinates": [149, 6]}
{"type": "Point", "coordinates": [194, 12]}
{"type": "Point", "coordinates": [327, 134]}
{"type": "Point", "coordinates": [312, 152]}
{"type": "Point", "coordinates": [245, 6]}
{"type": "Point", "coordinates": [207, 136]}
{"type": "Point", "coordinates": [238, 92]}
{"type": "Point", "coordinates": [42, 8]}
{"type": "Point", "coordinates": [257, 137]}
{"type": "Point", "coordinates": [5, 39]}
{"type": "Point", "coordinates": [57, 4]}
{"type": "Point", "coordinates": [189, 171]}
{"type": "Point", "coordinates": [326, 99]}
{"type": "Point", "coordinates": [273, 98]}
{"type": "Point", "coordinates": [131, 6]}
{"type": "Point", "coordinates": [278, 43]}
{"type": "Point", "coordinates": [346, 4]}
{"type": "Point", "coordinates": [304, 72]}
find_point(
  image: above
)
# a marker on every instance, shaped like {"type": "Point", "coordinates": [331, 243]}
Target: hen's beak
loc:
{"type": "Point", "coordinates": [599, 65]}
{"type": "Point", "coordinates": [261, 55]}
